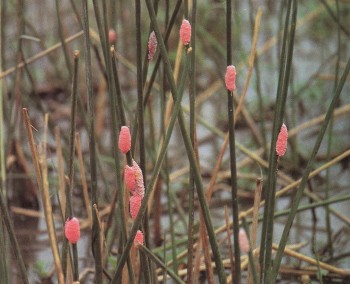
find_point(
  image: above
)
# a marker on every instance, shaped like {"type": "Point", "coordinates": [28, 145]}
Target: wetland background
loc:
{"type": "Point", "coordinates": [292, 62]}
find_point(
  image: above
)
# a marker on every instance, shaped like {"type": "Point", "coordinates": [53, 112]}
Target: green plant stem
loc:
{"type": "Point", "coordinates": [69, 205]}
{"type": "Point", "coordinates": [192, 97]}
{"type": "Point", "coordinates": [230, 109]}
{"type": "Point", "coordinates": [282, 89]}
{"type": "Point", "coordinates": [300, 190]}
{"type": "Point", "coordinates": [64, 46]}
{"type": "Point", "coordinates": [3, 234]}
{"type": "Point", "coordinates": [92, 148]}
{"type": "Point", "coordinates": [141, 131]}
{"type": "Point", "coordinates": [250, 253]}
{"type": "Point", "coordinates": [171, 220]}
{"type": "Point", "coordinates": [69, 187]}
{"type": "Point", "coordinates": [329, 141]}
{"type": "Point", "coordinates": [156, 260]}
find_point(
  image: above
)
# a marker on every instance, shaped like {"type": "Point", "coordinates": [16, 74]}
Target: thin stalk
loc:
{"type": "Point", "coordinates": [329, 141]}
{"type": "Point", "coordinates": [3, 234]}
{"type": "Point", "coordinates": [64, 46]}
{"type": "Point", "coordinates": [60, 170]}
{"type": "Point", "coordinates": [69, 187]}
{"type": "Point", "coordinates": [228, 231]}
{"type": "Point", "coordinates": [69, 206]}
{"type": "Point", "coordinates": [141, 128]}
{"type": "Point", "coordinates": [300, 190]}
{"type": "Point", "coordinates": [156, 260]}
{"type": "Point", "coordinates": [119, 102]}
{"type": "Point", "coordinates": [255, 220]}
{"type": "Point", "coordinates": [47, 207]}
{"type": "Point", "coordinates": [83, 178]}
{"type": "Point", "coordinates": [252, 10]}
{"type": "Point", "coordinates": [171, 220]}
{"type": "Point", "coordinates": [92, 147]}
{"type": "Point", "coordinates": [47, 204]}
{"type": "Point", "coordinates": [282, 90]}
{"type": "Point", "coordinates": [230, 106]}
{"type": "Point", "coordinates": [192, 95]}
{"type": "Point", "coordinates": [250, 253]}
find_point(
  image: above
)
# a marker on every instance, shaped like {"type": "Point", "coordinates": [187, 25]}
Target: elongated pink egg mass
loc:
{"type": "Point", "coordinates": [72, 230]}
{"type": "Point", "coordinates": [124, 142]}
{"type": "Point", "coordinates": [185, 32]}
{"type": "Point", "coordinates": [282, 140]}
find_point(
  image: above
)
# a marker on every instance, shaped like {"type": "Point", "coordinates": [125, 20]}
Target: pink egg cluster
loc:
{"type": "Point", "coordinates": [124, 142]}
{"type": "Point", "coordinates": [282, 140]}
{"type": "Point", "coordinates": [185, 32]}
{"type": "Point", "coordinates": [230, 78]}
{"type": "Point", "coordinates": [243, 241]}
{"type": "Point", "coordinates": [72, 230]}
{"type": "Point", "coordinates": [112, 36]}
{"type": "Point", "coordinates": [138, 240]}
{"type": "Point", "coordinates": [134, 182]}
{"type": "Point", "coordinates": [152, 45]}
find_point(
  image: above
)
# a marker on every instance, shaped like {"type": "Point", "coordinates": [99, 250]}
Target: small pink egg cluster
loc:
{"type": "Point", "coordinates": [230, 78]}
{"type": "Point", "coordinates": [124, 142]}
{"type": "Point", "coordinates": [133, 179]}
{"type": "Point", "coordinates": [72, 230]}
{"type": "Point", "coordinates": [138, 240]}
{"type": "Point", "coordinates": [185, 32]}
{"type": "Point", "coordinates": [112, 36]}
{"type": "Point", "coordinates": [282, 140]}
{"type": "Point", "coordinates": [152, 45]}
{"type": "Point", "coordinates": [243, 241]}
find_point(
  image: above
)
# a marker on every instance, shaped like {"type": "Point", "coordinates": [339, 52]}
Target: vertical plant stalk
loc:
{"type": "Point", "coordinates": [69, 187]}
{"type": "Point", "coordinates": [60, 167]}
{"type": "Point", "coordinates": [141, 133]}
{"type": "Point", "coordinates": [255, 222]}
{"type": "Point", "coordinates": [69, 205]}
{"type": "Point", "coordinates": [300, 190]}
{"type": "Point", "coordinates": [83, 178]}
{"type": "Point", "coordinates": [329, 142]}
{"type": "Point", "coordinates": [61, 35]}
{"type": "Point", "coordinates": [232, 143]}
{"type": "Point", "coordinates": [171, 217]}
{"type": "Point", "coordinates": [192, 94]}
{"type": "Point", "coordinates": [41, 176]}
{"type": "Point", "coordinates": [282, 90]}
{"type": "Point", "coordinates": [3, 236]}
{"type": "Point", "coordinates": [250, 253]}
{"type": "Point", "coordinates": [228, 231]}
{"type": "Point", "coordinates": [95, 237]}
